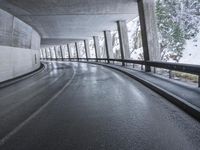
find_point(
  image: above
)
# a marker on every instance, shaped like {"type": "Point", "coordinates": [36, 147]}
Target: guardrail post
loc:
{"type": "Point", "coordinates": [142, 68]}
{"type": "Point", "coordinates": [123, 40]}
{"type": "Point", "coordinates": [154, 69]}
{"type": "Point", "coordinates": [77, 54]}
{"type": "Point", "coordinates": [170, 74]}
{"type": "Point", "coordinates": [108, 45]}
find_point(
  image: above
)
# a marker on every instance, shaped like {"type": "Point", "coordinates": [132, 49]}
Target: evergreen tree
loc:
{"type": "Point", "coordinates": [177, 22]}
{"type": "Point", "coordinates": [171, 35]}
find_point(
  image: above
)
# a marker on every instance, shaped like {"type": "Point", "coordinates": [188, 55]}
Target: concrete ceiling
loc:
{"type": "Point", "coordinates": [68, 20]}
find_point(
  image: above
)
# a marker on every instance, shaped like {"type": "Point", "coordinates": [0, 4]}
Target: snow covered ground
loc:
{"type": "Point", "coordinates": [136, 54]}
{"type": "Point", "coordinates": [191, 54]}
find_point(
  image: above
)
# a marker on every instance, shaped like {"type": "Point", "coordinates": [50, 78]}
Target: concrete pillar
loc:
{"type": "Point", "coordinates": [61, 52]}
{"type": "Point", "coordinates": [50, 54]}
{"type": "Point", "coordinates": [42, 53]}
{"type": "Point", "coordinates": [108, 45]}
{"type": "Point", "coordinates": [68, 49]}
{"type": "Point", "coordinates": [55, 52]}
{"type": "Point", "coordinates": [87, 49]}
{"type": "Point", "coordinates": [96, 47]}
{"type": "Point", "coordinates": [45, 56]}
{"type": "Point", "coordinates": [123, 40]}
{"type": "Point", "coordinates": [77, 52]}
{"type": "Point", "coordinates": [149, 31]}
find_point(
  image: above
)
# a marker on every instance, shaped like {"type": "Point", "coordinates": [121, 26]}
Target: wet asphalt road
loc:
{"type": "Point", "coordinates": [82, 106]}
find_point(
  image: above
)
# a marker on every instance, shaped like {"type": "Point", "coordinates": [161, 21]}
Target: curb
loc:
{"type": "Point", "coordinates": [22, 77]}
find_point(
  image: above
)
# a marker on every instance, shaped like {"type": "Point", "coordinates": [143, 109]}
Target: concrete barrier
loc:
{"type": "Point", "coordinates": [17, 61]}
{"type": "Point", "coordinates": [19, 47]}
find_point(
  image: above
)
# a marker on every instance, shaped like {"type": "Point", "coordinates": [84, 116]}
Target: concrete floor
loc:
{"type": "Point", "coordinates": [98, 108]}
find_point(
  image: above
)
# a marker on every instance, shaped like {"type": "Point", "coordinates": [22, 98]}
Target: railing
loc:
{"type": "Point", "coordinates": [186, 68]}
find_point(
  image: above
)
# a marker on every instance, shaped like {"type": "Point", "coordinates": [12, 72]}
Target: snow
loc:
{"type": "Point", "coordinates": [135, 55]}
{"type": "Point", "coordinates": [133, 33]}
{"type": "Point", "coordinates": [191, 53]}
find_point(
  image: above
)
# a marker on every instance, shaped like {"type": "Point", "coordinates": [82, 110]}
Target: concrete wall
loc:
{"type": "Point", "coordinates": [17, 61]}
{"type": "Point", "coordinates": [19, 47]}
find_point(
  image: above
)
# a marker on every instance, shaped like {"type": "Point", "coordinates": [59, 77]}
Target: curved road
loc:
{"type": "Point", "coordinates": [78, 106]}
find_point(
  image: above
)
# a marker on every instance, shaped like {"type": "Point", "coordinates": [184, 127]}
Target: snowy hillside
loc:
{"type": "Point", "coordinates": [191, 53]}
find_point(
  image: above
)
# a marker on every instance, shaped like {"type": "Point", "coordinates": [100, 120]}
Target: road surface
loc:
{"type": "Point", "coordinates": [79, 106]}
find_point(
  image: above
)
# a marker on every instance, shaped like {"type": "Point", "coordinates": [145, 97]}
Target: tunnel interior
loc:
{"type": "Point", "coordinates": [99, 74]}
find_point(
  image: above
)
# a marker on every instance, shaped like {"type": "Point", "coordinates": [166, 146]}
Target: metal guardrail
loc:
{"type": "Point", "coordinates": [193, 69]}
{"type": "Point", "coordinates": [186, 68]}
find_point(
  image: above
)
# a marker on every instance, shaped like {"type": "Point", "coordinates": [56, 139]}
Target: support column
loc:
{"type": "Point", "coordinates": [108, 45]}
{"type": "Point", "coordinates": [50, 54]}
{"type": "Point", "coordinates": [97, 48]}
{"type": "Point", "coordinates": [87, 49]}
{"type": "Point", "coordinates": [123, 40]}
{"type": "Point", "coordinates": [199, 81]}
{"type": "Point", "coordinates": [69, 55]}
{"type": "Point", "coordinates": [45, 53]}
{"type": "Point", "coordinates": [149, 31]}
{"type": "Point", "coordinates": [61, 52]}
{"type": "Point", "coordinates": [77, 54]}
{"type": "Point", "coordinates": [42, 52]}
{"type": "Point", "coordinates": [55, 52]}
